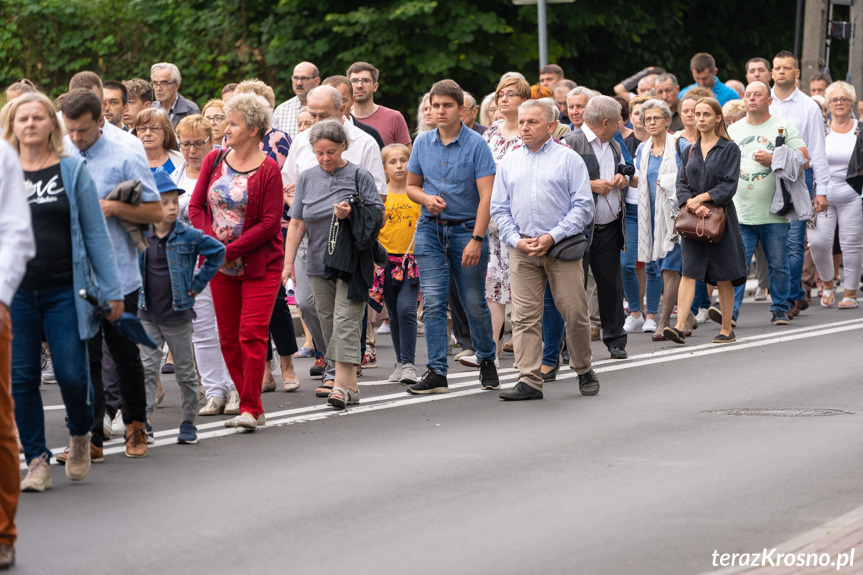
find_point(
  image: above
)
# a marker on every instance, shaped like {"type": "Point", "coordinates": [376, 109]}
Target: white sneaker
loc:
{"type": "Point", "coordinates": [649, 326]}
{"type": "Point", "coordinates": [702, 316]}
{"type": "Point", "coordinates": [107, 426]}
{"type": "Point", "coordinates": [396, 375]}
{"type": "Point", "coordinates": [409, 374]}
{"type": "Point", "coordinates": [469, 361]}
{"type": "Point", "coordinates": [464, 353]}
{"type": "Point", "coordinates": [385, 328]}
{"type": "Point", "coordinates": [215, 406]}
{"type": "Point", "coordinates": [632, 323]}
{"type": "Point", "coordinates": [232, 404]}
{"type": "Point", "coordinates": [760, 294]}
{"type": "Point", "coordinates": [117, 426]}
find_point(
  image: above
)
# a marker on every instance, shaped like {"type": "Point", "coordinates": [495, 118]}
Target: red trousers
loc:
{"type": "Point", "coordinates": [243, 311]}
{"type": "Point", "coordinates": [10, 474]}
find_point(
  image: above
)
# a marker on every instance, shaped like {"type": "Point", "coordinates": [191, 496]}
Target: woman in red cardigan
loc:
{"type": "Point", "coordinates": [238, 200]}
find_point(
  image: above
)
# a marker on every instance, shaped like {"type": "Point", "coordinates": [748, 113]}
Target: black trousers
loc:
{"type": "Point", "coordinates": [130, 373]}
{"type": "Point", "coordinates": [604, 261]}
{"type": "Point", "coordinates": [460, 327]}
{"type": "Point", "coordinates": [282, 328]}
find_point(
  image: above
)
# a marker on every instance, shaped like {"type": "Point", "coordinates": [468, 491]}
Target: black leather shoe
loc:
{"type": "Point", "coordinates": [551, 375]}
{"type": "Point", "coordinates": [520, 392]}
{"type": "Point", "coordinates": [588, 383]}
{"type": "Point", "coordinates": [618, 353]}
{"type": "Point", "coordinates": [488, 378]}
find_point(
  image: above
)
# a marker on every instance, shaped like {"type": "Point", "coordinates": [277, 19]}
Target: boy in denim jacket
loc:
{"type": "Point", "coordinates": [168, 296]}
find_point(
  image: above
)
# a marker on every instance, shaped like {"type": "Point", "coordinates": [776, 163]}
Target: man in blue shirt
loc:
{"type": "Point", "coordinates": [704, 69]}
{"type": "Point", "coordinates": [450, 174]}
{"type": "Point", "coordinates": [542, 196]}
{"type": "Point", "coordinates": [110, 164]}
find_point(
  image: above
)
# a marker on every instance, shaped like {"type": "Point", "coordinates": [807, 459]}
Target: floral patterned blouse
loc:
{"type": "Point", "coordinates": [499, 145]}
{"type": "Point", "coordinates": [228, 197]}
{"type": "Point", "coordinates": [276, 144]}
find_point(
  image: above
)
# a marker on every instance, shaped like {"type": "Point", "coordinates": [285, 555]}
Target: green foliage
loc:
{"type": "Point", "coordinates": [413, 42]}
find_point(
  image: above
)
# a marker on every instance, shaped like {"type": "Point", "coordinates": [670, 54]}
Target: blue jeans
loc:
{"type": "Point", "coordinates": [774, 239]}
{"type": "Point", "coordinates": [552, 329]}
{"type": "Point", "coordinates": [401, 302]}
{"type": "Point", "coordinates": [52, 312]}
{"type": "Point", "coordinates": [438, 251]}
{"type": "Point", "coordinates": [796, 247]}
{"type": "Point", "coordinates": [631, 287]}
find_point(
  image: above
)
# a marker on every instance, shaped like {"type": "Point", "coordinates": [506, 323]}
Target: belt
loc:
{"type": "Point", "coordinates": [445, 222]}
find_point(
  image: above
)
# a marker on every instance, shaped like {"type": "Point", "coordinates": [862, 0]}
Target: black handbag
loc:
{"type": "Point", "coordinates": [569, 249]}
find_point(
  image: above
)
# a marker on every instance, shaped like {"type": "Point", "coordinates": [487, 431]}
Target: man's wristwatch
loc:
{"type": "Point", "coordinates": [477, 238]}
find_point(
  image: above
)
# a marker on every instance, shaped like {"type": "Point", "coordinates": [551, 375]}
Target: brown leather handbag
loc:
{"type": "Point", "coordinates": [701, 229]}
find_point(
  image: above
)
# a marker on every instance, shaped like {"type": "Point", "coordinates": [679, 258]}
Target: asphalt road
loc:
{"type": "Point", "coordinates": [645, 478]}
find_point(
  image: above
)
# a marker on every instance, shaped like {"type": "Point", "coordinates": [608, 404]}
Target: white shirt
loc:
{"type": "Point", "coordinates": [607, 206]}
{"type": "Point", "coordinates": [805, 114]}
{"type": "Point", "coordinates": [838, 149]}
{"type": "Point", "coordinates": [362, 151]}
{"type": "Point", "coordinates": [17, 245]}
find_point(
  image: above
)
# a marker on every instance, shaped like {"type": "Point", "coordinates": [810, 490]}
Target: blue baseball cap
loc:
{"type": "Point", "coordinates": [164, 183]}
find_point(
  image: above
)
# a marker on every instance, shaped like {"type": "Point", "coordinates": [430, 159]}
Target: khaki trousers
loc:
{"type": "Point", "coordinates": [527, 281]}
{"type": "Point", "coordinates": [10, 474]}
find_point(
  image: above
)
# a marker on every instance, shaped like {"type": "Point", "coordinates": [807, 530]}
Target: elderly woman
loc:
{"type": "Point", "coordinates": [709, 174]}
{"type": "Point", "coordinates": [502, 137]}
{"type": "Point", "coordinates": [214, 112]}
{"type": "Point", "coordinates": [657, 161]}
{"type": "Point", "coordinates": [154, 128]}
{"type": "Point", "coordinates": [71, 247]}
{"type": "Point", "coordinates": [484, 110]}
{"type": "Point", "coordinates": [843, 203]}
{"type": "Point", "coordinates": [304, 120]}
{"type": "Point", "coordinates": [733, 111]}
{"type": "Point", "coordinates": [238, 200]}
{"type": "Point", "coordinates": [320, 209]}
{"type": "Point", "coordinates": [425, 118]}
{"type": "Point", "coordinates": [195, 135]}
{"type": "Point", "coordinates": [276, 144]}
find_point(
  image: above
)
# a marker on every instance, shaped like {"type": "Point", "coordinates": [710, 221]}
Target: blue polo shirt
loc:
{"type": "Point", "coordinates": [451, 171]}
{"type": "Point", "coordinates": [722, 92]}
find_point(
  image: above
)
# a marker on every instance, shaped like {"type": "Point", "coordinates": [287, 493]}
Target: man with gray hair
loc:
{"type": "Point", "coordinates": [166, 86]}
{"type": "Point", "coordinates": [542, 196]}
{"type": "Point", "coordinates": [667, 89]}
{"type": "Point", "coordinates": [576, 102]}
{"type": "Point", "coordinates": [469, 112]}
{"type": "Point", "coordinates": [305, 78]}
{"type": "Point", "coordinates": [596, 145]}
{"type": "Point", "coordinates": [325, 103]}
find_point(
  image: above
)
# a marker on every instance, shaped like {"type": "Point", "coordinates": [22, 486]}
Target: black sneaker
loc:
{"type": "Point", "coordinates": [618, 353]}
{"type": "Point", "coordinates": [488, 375]}
{"type": "Point", "coordinates": [780, 318]}
{"type": "Point", "coordinates": [588, 383]}
{"type": "Point", "coordinates": [521, 392]}
{"type": "Point", "coordinates": [432, 382]}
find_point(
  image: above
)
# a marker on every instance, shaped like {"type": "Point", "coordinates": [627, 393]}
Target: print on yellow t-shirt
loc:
{"type": "Point", "coordinates": [401, 222]}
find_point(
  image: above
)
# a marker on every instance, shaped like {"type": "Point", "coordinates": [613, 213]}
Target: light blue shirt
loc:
{"type": "Point", "coordinates": [451, 171]}
{"type": "Point", "coordinates": [110, 164]}
{"type": "Point", "coordinates": [722, 92]}
{"type": "Point", "coordinates": [546, 192]}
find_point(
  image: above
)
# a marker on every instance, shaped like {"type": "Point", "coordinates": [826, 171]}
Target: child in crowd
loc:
{"type": "Point", "coordinates": [167, 299]}
{"type": "Point", "coordinates": [398, 283]}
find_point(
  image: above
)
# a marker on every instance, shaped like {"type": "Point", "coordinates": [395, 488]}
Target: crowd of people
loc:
{"type": "Point", "coordinates": [624, 211]}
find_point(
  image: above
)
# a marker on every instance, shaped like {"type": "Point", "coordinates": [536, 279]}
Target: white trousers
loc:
{"type": "Point", "coordinates": [849, 214]}
{"type": "Point", "coordinates": [208, 354]}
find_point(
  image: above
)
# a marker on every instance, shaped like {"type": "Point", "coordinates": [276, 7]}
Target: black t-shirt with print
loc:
{"type": "Point", "coordinates": [52, 228]}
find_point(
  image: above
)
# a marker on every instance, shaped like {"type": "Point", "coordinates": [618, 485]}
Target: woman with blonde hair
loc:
{"type": "Point", "coordinates": [73, 253]}
{"type": "Point", "coordinates": [214, 113]}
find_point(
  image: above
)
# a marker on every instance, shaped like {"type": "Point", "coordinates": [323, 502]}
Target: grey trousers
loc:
{"type": "Point", "coordinates": [306, 302]}
{"type": "Point", "coordinates": [179, 339]}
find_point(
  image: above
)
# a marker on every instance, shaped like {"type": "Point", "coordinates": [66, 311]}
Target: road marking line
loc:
{"type": "Point", "coordinates": [387, 401]}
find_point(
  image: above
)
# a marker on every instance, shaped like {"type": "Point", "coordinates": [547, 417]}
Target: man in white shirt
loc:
{"type": "Point", "coordinates": [793, 105]}
{"type": "Point", "coordinates": [306, 77]}
{"type": "Point", "coordinates": [603, 158]}
{"type": "Point", "coordinates": [325, 103]}
{"type": "Point", "coordinates": [17, 247]}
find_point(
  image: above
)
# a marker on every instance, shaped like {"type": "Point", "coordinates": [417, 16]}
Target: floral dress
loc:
{"type": "Point", "coordinates": [497, 285]}
{"type": "Point", "coordinates": [228, 197]}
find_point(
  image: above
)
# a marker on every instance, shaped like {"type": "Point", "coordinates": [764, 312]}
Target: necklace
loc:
{"type": "Point", "coordinates": [334, 234]}
{"type": "Point", "coordinates": [42, 165]}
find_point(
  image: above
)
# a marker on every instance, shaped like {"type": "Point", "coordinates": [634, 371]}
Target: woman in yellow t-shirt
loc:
{"type": "Point", "coordinates": [397, 285]}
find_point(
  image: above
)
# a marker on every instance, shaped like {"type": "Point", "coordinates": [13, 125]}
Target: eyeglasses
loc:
{"type": "Point", "coordinates": [149, 128]}
{"type": "Point", "coordinates": [163, 84]}
{"type": "Point", "coordinates": [652, 119]}
{"type": "Point", "coordinates": [508, 95]}
{"type": "Point", "coordinates": [216, 119]}
{"type": "Point", "coordinates": [840, 101]}
{"type": "Point", "coordinates": [198, 144]}
{"type": "Point", "coordinates": [302, 78]}
{"type": "Point", "coordinates": [361, 81]}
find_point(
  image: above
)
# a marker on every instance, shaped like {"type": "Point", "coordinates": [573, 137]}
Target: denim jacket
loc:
{"type": "Point", "coordinates": [185, 245]}
{"type": "Point", "coordinates": [94, 267]}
